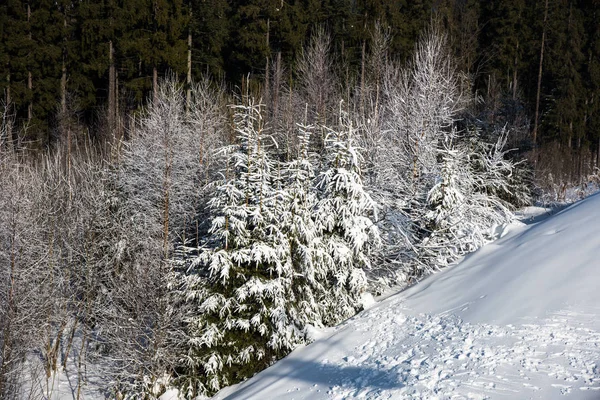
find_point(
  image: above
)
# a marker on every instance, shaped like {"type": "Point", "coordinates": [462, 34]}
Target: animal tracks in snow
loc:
{"type": "Point", "coordinates": [443, 357]}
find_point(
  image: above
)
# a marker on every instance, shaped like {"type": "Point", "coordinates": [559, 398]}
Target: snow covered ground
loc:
{"type": "Point", "coordinates": [518, 319]}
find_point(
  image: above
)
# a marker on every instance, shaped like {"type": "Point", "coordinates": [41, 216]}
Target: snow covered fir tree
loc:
{"type": "Point", "coordinates": [285, 251]}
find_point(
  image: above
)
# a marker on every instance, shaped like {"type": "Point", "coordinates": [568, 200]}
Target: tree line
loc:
{"type": "Point", "coordinates": [84, 57]}
{"type": "Point", "coordinates": [538, 63]}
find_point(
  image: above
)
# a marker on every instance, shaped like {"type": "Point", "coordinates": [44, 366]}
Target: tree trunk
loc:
{"type": "Point", "coordinates": [118, 126]}
{"type": "Point", "coordinates": [267, 83]}
{"type": "Point", "coordinates": [29, 76]}
{"type": "Point", "coordinates": [7, 121]}
{"type": "Point", "coordinates": [30, 88]}
{"type": "Point", "coordinates": [598, 155]}
{"type": "Point", "coordinates": [154, 84]}
{"type": "Point", "coordinates": [580, 171]}
{"type": "Point", "coordinates": [277, 84]}
{"type": "Point", "coordinates": [63, 114]}
{"type": "Point", "coordinates": [63, 78]}
{"type": "Point", "coordinates": [188, 97]}
{"type": "Point", "coordinates": [63, 90]}
{"type": "Point", "coordinates": [514, 88]}
{"type": "Point", "coordinates": [8, 89]}
{"type": "Point", "coordinates": [166, 193]}
{"type": "Point", "coordinates": [539, 82]}
{"type": "Point", "coordinates": [362, 78]}
{"type": "Point", "coordinates": [111, 88]}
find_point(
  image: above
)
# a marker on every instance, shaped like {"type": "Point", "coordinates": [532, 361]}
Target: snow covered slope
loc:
{"type": "Point", "coordinates": [518, 319]}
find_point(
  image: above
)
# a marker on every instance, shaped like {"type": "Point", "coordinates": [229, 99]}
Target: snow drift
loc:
{"type": "Point", "coordinates": [531, 272]}
{"type": "Point", "coordinates": [518, 319]}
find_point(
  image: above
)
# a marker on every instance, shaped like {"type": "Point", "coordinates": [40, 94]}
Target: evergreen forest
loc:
{"type": "Point", "coordinates": [92, 61]}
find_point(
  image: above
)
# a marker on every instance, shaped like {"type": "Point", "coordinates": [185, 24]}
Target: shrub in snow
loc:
{"type": "Point", "coordinates": [441, 189]}
{"type": "Point", "coordinates": [462, 212]}
{"type": "Point", "coordinates": [496, 173]}
{"type": "Point", "coordinates": [22, 273]}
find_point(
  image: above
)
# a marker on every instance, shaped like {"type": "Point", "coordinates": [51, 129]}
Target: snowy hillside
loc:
{"type": "Point", "coordinates": [518, 319]}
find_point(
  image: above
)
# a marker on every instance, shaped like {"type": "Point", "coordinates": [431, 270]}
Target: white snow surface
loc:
{"type": "Point", "coordinates": [518, 319]}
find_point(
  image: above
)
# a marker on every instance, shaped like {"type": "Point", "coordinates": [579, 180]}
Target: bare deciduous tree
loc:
{"type": "Point", "coordinates": [317, 81]}
{"type": "Point", "coordinates": [157, 189]}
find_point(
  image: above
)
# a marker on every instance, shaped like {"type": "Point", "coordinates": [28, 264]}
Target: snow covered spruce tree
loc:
{"type": "Point", "coordinates": [237, 287]}
{"type": "Point", "coordinates": [281, 255]}
{"type": "Point", "coordinates": [344, 212]}
{"type": "Point", "coordinates": [304, 234]}
{"type": "Point", "coordinates": [327, 220]}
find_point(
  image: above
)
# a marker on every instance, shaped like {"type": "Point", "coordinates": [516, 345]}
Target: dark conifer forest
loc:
{"type": "Point", "coordinates": [538, 62]}
{"type": "Point", "coordinates": [188, 187]}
